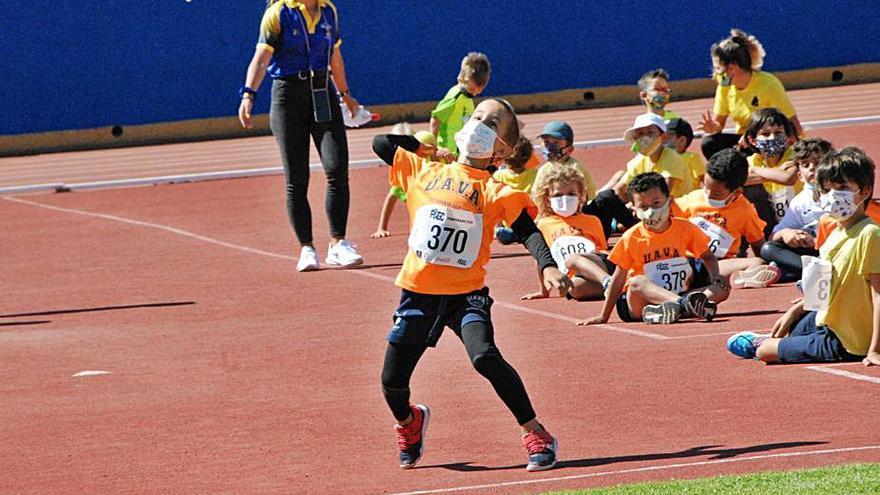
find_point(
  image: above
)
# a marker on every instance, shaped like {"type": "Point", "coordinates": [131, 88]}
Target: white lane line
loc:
{"type": "Point", "coordinates": [91, 373]}
{"type": "Point", "coordinates": [640, 470]}
{"type": "Point", "coordinates": [845, 374]}
{"type": "Point", "coordinates": [361, 272]}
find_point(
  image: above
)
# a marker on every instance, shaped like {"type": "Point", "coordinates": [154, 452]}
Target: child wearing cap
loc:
{"type": "Point", "coordinates": [455, 109]}
{"type": "Point", "coordinates": [795, 235]}
{"type": "Point", "coordinates": [396, 194]}
{"type": "Point", "coordinates": [655, 93]}
{"type": "Point", "coordinates": [837, 319]}
{"type": "Point", "coordinates": [558, 140]}
{"type": "Point", "coordinates": [648, 133]}
{"type": "Point", "coordinates": [679, 136]}
{"type": "Point", "coordinates": [664, 267]}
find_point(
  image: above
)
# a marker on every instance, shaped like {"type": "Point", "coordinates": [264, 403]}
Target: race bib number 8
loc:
{"type": "Point", "coordinates": [570, 244]}
{"type": "Point", "coordinates": [720, 241]}
{"type": "Point", "coordinates": [817, 283]}
{"type": "Point", "coordinates": [780, 200]}
{"type": "Point", "coordinates": [446, 236]}
{"type": "Point", "coordinates": [673, 274]}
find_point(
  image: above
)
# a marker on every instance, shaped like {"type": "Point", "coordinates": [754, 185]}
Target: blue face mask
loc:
{"type": "Point", "coordinates": [553, 152]}
{"type": "Point", "coordinates": [771, 147]}
{"type": "Point", "coordinates": [659, 101]}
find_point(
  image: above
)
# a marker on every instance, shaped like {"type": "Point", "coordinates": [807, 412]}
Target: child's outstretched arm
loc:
{"type": "Point", "coordinates": [385, 146]}
{"type": "Point", "coordinates": [385, 216]}
{"type": "Point", "coordinates": [614, 290]}
{"type": "Point", "coordinates": [542, 293]}
{"type": "Point", "coordinates": [873, 357]}
{"type": "Point", "coordinates": [527, 232]}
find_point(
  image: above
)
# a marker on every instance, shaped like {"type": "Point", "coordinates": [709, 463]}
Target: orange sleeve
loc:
{"type": "Point", "coordinates": [754, 230]}
{"type": "Point", "coordinates": [593, 230]}
{"type": "Point", "coordinates": [675, 209]}
{"type": "Point", "coordinates": [697, 241]}
{"type": "Point", "coordinates": [513, 202]}
{"type": "Point", "coordinates": [404, 166]}
{"type": "Point", "coordinates": [534, 161]}
{"type": "Point", "coordinates": [873, 211]}
{"type": "Point", "coordinates": [620, 254]}
{"type": "Point", "coordinates": [826, 225]}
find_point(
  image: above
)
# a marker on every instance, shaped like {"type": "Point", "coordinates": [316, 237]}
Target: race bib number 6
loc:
{"type": "Point", "coordinates": [446, 236]}
{"type": "Point", "coordinates": [673, 274]}
{"type": "Point", "coordinates": [570, 244]}
{"type": "Point", "coordinates": [720, 241]}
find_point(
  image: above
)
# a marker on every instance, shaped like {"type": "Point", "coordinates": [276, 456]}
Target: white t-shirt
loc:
{"type": "Point", "coordinates": [803, 214]}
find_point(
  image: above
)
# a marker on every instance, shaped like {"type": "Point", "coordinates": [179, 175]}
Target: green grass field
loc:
{"type": "Point", "coordinates": [853, 479]}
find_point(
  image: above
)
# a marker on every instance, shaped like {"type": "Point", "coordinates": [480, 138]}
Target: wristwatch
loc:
{"type": "Point", "coordinates": [244, 90]}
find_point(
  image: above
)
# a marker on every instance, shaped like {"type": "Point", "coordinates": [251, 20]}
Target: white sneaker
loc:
{"type": "Point", "coordinates": [308, 260]}
{"type": "Point", "coordinates": [343, 254]}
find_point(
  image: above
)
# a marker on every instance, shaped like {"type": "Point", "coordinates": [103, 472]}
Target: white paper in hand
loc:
{"type": "Point", "coordinates": [817, 283]}
{"type": "Point", "coordinates": [360, 118]}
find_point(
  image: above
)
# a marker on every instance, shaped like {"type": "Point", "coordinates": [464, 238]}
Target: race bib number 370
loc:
{"type": "Point", "coordinates": [446, 236]}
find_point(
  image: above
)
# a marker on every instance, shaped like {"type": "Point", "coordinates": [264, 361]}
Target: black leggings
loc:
{"type": "Point", "coordinates": [788, 258]}
{"type": "Point", "coordinates": [478, 339]}
{"type": "Point", "coordinates": [291, 120]}
{"type": "Point", "coordinates": [608, 206]}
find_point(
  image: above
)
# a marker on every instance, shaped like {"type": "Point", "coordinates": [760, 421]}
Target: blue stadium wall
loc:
{"type": "Point", "coordinates": [84, 64]}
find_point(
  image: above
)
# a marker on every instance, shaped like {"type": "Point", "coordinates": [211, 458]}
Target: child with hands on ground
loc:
{"type": "Point", "coordinates": [453, 210]}
{"type": "Point", "coordinates": [665, 269]}
{"type": "Point", "coordinates": [576, 239]}
{"type": "Point", "coordinates": [838, 318]}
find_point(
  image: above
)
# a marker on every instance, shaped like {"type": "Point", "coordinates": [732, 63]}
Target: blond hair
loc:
{"type": "Point", "coordinates": [551, 173]}
{"type": "Point", "coordinates": [475, 68]}
{"type": "Point", "coordinates": [742, 49]}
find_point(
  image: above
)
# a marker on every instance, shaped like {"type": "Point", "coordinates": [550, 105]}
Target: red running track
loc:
{"type": "Point", "coordinates": [231, 373]}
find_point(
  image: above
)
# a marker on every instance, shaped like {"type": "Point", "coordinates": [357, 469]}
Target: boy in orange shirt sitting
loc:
{"type": "Point", "coordinates": [453, 211]}
{"type": "Point", "coordinates": [721, 211]}
{"type": "Point", "coordinates": [665, 269]}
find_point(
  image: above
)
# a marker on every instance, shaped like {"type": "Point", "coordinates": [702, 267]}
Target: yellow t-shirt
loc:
{"type": "Point", "coordinates": [696, 167]}
{"type": "Point", "coordinates": [764, 91]}
{"type": "Point", "coordinates": [670, 165]}
{"type": "Point", "coordinates": [589, 184]}
{"type": "Point", "coordinates": [854, 254]}
{"type": "Point", "coordinates": [565, 235]}
{"type": "Point", "coordinates": [780, 194]}
{"type": "Point", "coordinates": [521, 182]}
{"type": "Point", "coordinates": [453, 211]}
{"type": "Point", "coordinates": [736, 220]}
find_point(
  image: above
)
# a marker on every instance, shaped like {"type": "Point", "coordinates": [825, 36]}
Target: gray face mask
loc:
{"type": "Point", "coordinates": [654, 217]}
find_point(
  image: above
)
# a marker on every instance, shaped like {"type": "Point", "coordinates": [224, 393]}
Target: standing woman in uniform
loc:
{"type": "Point", "coordinates": [743, 89]}
{"type": "Point", "coordinates": [299, 47]}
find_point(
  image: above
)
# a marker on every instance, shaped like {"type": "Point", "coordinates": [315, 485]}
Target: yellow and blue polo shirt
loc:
{"type": "Point", "coordinates": [281, 32]}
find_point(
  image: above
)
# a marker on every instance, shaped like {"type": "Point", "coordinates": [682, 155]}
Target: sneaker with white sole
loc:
{"type": "Point", "coordinates": [661, 314]}
{"type": "Point", "coordinates": [343, 253]}
{"type": "Point", "coordinates": [411, 438]}
{"type": "Point", "coordinates": [308, 260]}
{"type": "Point", "coordinates": [697, 304]}
{"type": "Point", "coordinates": [541, 447]}
{"type": "Point", "coordinates": [745, 344]}
{"type": "Point", "coordinates": [756, 277]}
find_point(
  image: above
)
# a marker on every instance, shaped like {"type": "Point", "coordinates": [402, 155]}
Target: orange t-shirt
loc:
{"type": "Point", "coordinates": [724, 226]}
{"type": "Point", "coordinates": [453, 210]}
{"type": "Point", "coordinates": [826, 224]}
{"type": "Point", "coordinates": [661, 256]}
{"type": "Point", "coordinates": [534, 162]}
{"type": "Point", "coordinates": [579, 233]}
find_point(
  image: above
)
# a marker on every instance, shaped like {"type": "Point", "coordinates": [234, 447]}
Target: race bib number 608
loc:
{"type": "Point", "coordinates": [446, 236]}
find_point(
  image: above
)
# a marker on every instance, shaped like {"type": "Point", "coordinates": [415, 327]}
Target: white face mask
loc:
{"type": "Point", "coordinates": [648, 144]}
{"type": "Point", "coordinates": [476, 140]}
{"type": "Point", "coordinates": [565, 206]}
{"type": "Point", "coordinates": [840, 204]}
{"type": "Point", "coordinates": [716, 203]}
{"type": "Point", "coordinates": [654, 217]}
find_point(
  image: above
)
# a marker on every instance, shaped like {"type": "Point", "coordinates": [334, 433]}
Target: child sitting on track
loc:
{"type": "Point", "coordinates": [679, 136]}
{"type": "Point", "coordinates": [576, 239]}
{"type": "Point", "coordinates": [795, 234]}
{"type": "Point", "coordinates": [772, 135]}
{"type": "Point", "coordinates": [720, 211]}
{"type": "Point", "coordinates": [657, 278]}
{"type": "Point", "coordinates": [838, 318]}
{"type": "Point", "coordinates": [558, 140]}
{"type": "Point", "coordinates": [453, 210]}
{"type": "Point", "coordinates": [649, 133]}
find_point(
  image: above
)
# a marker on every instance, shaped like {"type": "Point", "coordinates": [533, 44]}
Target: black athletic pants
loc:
{"type": "Point", "coordinates": [713, 143]}
{"type": "Point", "coordinates": [479, 341]}
{"type": "Point", "coordinates": [608, 206]}
{"type": "Point", "coordinates": [292, 122]}
{"type": "Point", "coordinates": [788, 258]}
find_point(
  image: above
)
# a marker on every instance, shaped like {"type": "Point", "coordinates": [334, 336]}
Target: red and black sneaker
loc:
{"type": "Point", "coordinates": [541, 446]}
{"type": "Point", "coordinates": [411, 438]}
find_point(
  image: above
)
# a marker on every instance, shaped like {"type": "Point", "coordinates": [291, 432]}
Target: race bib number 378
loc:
{"type": "Point", "coordinates": [446, 236]}
{"type": "Point", "coordinates": [673, 274]}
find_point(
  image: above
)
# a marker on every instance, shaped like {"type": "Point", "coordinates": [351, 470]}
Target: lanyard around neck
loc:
{"type": "Point", "coordinates": [308, 45]}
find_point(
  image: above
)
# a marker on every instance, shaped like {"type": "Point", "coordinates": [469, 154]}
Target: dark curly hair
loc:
{"type": "Point", "coordinates": [730, 167]}
{"type": "Point", "coordinates": [850, 163]}
{"type": "Point", "coordinates": [646, 182]}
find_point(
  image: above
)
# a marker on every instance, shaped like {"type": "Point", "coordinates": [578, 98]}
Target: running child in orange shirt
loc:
{"type": "Point", "coordinates": [576, 239]}
{"type": "Point", "coordinates": [665, 269]}
{"type": "Point", "coordinates": [453, 210]}
{"type": "Point", "coordinates": [722, 213]}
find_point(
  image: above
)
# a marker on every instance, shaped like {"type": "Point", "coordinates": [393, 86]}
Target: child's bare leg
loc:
{"type": "Point", "coordinates": [768, 351]}
{"type": "Point", "coordinates": [715, 293]}
{"type": "Point", "coordinates": [588, 266]}
{"type": "Point", "coordinates": [728, 266]}
{"type": "Point", "coordinates": [642, 291]}
{"type": "Point", "coordinates": [586, 289]}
